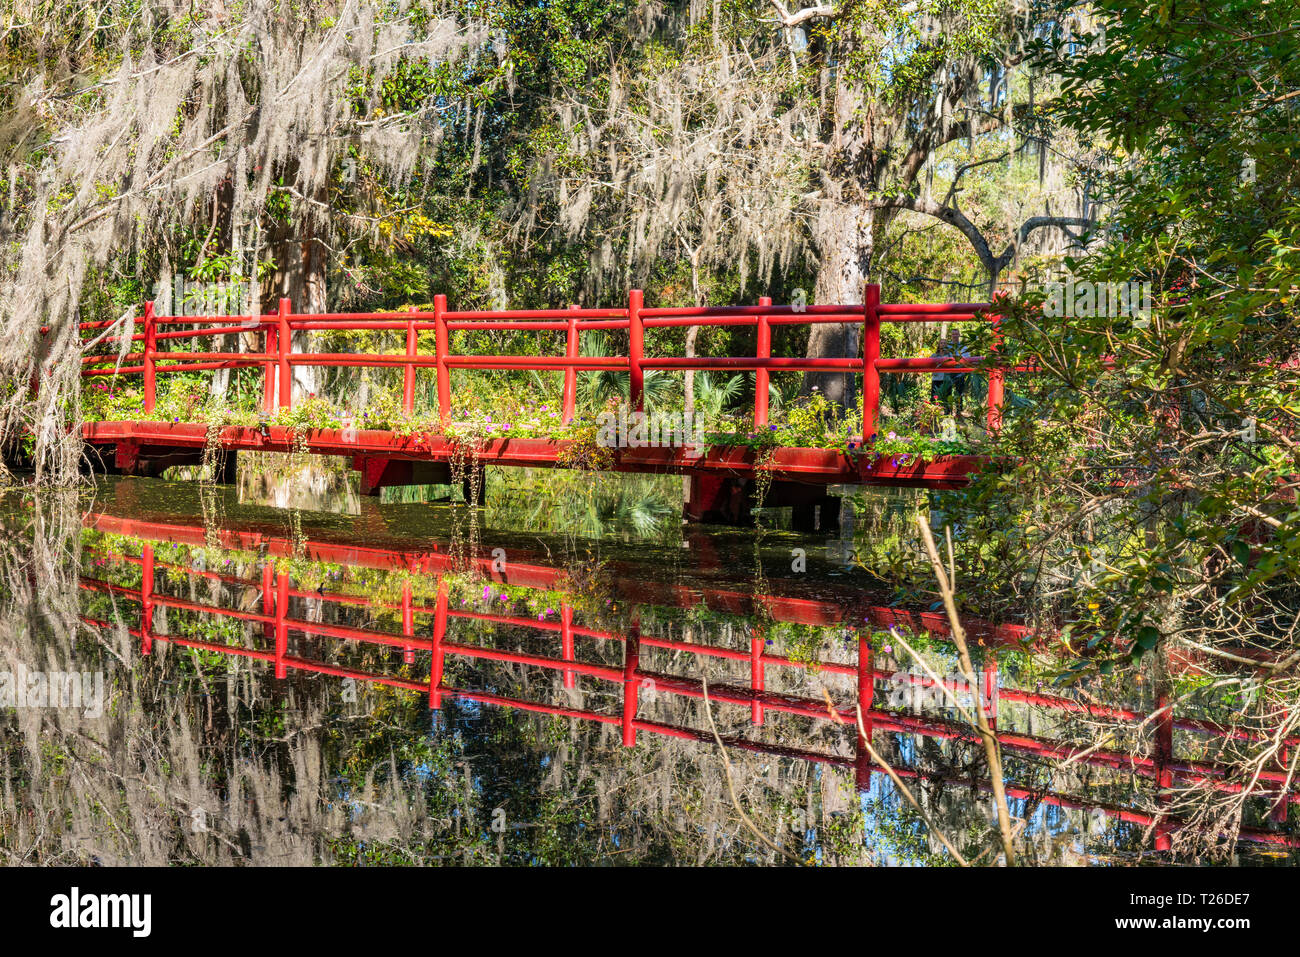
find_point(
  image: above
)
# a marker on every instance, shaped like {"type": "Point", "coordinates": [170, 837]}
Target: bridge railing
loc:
{"type": "Point", "coordinates": [277, 593]}
{"type": "Point", "coordinates": [278, 358]}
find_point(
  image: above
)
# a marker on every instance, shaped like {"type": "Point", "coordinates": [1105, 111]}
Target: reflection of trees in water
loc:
{"type": "Point", "coordinates": [585, 504]}
{"type": "Point", "coordinates": [325, 484]}
{"type": "Point", "coordinates": [206, 757]}
{"type": "Point", "coordinates": [201, 757]}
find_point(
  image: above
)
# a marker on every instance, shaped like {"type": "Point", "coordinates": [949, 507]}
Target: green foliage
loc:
{"type": "Point", "coordinates": [1125, 457]}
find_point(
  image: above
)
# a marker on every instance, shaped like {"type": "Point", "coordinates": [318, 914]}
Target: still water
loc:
{"type": "Point", "coordinates": [285, 672]}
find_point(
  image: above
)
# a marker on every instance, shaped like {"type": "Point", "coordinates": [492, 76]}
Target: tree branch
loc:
{"type": "Point", "coordinates": [956, 218]}
{"type": "Point", "coordinates": [789, 19]}
{"type": "Point", "coordinates": [950, 215]}
{"type": "Point", "coordinates": [1039, 222]}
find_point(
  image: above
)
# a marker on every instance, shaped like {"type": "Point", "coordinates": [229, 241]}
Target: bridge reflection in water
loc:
{"type": "Point", "coordinates": [618, 680]}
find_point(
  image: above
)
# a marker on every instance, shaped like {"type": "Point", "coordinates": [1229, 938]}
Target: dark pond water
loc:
{"type": "Point", "coordinates": [285, 672]}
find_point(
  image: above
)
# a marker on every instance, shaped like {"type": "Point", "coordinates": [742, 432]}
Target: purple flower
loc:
{"type": "Point", "coordinates": [893, 435]}
{"type": "Point", "coordinates": [487, 593]}
{"type": "Point", "coordinates": [550, 611]}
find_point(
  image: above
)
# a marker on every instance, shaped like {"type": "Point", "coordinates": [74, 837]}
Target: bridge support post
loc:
{"type": "Point", "coordinates": [762, 378]}
{"type": "Point", "coordinates": [408, 372]}
{"type": "Point", "coordinates": [571, 374]}
{"type": "Point", "coordinates": [225, 468]}
{"type": "Point", "coordinates": [126, 455]}
{"type": "Point", "coordinates": [812, 508]}
{"type": "Point", "coordinates": [820, 514]}
{"type": "Point", "coordinates": [269, 370]}
{"type": "Point", "coordinates": [474, 487]}
{"type": "Point", "coordinates": [719, 500]}
{"type": "Point", "coordinates": [379, 471]}
{"type": "Point", "coordinates": [636, 350]}
{"type": "Point", "coordinates": [285, 346]}
{"type": "Point", "coordinates": [870, 356]}
{"type": "Point", "coordinates": [441, 348]}
{"type": "Point", "coordinates": [150, 363]}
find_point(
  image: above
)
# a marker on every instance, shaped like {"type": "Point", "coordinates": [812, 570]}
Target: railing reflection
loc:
{"type": "Point", "coordinates": [278, 595]}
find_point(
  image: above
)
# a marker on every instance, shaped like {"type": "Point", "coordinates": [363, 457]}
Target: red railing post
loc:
{"type": "Point", "coordinates": [146, 598]}
{"type": "Point", "coordinates": [1164, 748]}
{"type": "Point", "coordinates": [281, 625]}
{"type": "Point", "coordinates": [870, 355]}
{"type": "Point", "coordinates": [570, 373]}
{"type": "Point", "coordinates": [761, 376]}
{"type": "Point", "coordinates": [285, 347]}
{"type": "Point", "coordinates": [636, 350]}
{"type": "Point", "coordinates": [408, 375]}
{"type": "Point", "coordinates": [408, 623]}
{"type": "Point", "coordinates": [439, 632]}
{"type": "Point", "coordinates": [272, 335]}
{"type": "Point", "coordinates": [757, 669]}
{"type": "Point", "coordinates": [441, 348]}
{"type": "Point", "coordinates": [1283, 762]}
{"type": "Point", "coordinates": [566, 639]}
{"type": "Point", "coordinates": [997, 383]}
{"type": "Point", "coordinates": [268, 599]}
{"type": "Point", "coordinates": [150, 348]}
{"type": "Point", "coordinates": [631, 692]}
{"type": "Point", "coordinates": [989, 695]}
{"type": "Point", "coordinates": [866, 699]}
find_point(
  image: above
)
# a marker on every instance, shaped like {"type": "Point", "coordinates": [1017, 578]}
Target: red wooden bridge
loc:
{"type": "Point", "coordinates": [427, 630]}
{"type": "Point", "coordinates": [721, 478]}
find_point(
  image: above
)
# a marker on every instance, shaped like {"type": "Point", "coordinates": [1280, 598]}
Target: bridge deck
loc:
{"type": "Point", "coordinates": [136, 440]}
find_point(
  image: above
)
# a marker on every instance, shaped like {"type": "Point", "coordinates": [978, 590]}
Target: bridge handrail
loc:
{"type": "Point", "coordinates": [277, 357]}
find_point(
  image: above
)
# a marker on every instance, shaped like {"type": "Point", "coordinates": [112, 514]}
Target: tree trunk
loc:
{"type": "Point", "coordinates": [299, 276]}
{"type": "Point", "coordinates": [216, 302]}
{"type": "Point", "coordinates": [844, 241]}
{"type": "Point", "coordinates": [692, 334]}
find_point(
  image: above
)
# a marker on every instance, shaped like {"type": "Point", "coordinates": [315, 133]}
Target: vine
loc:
{"type": "Point", "coordinates": [466, 441]}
